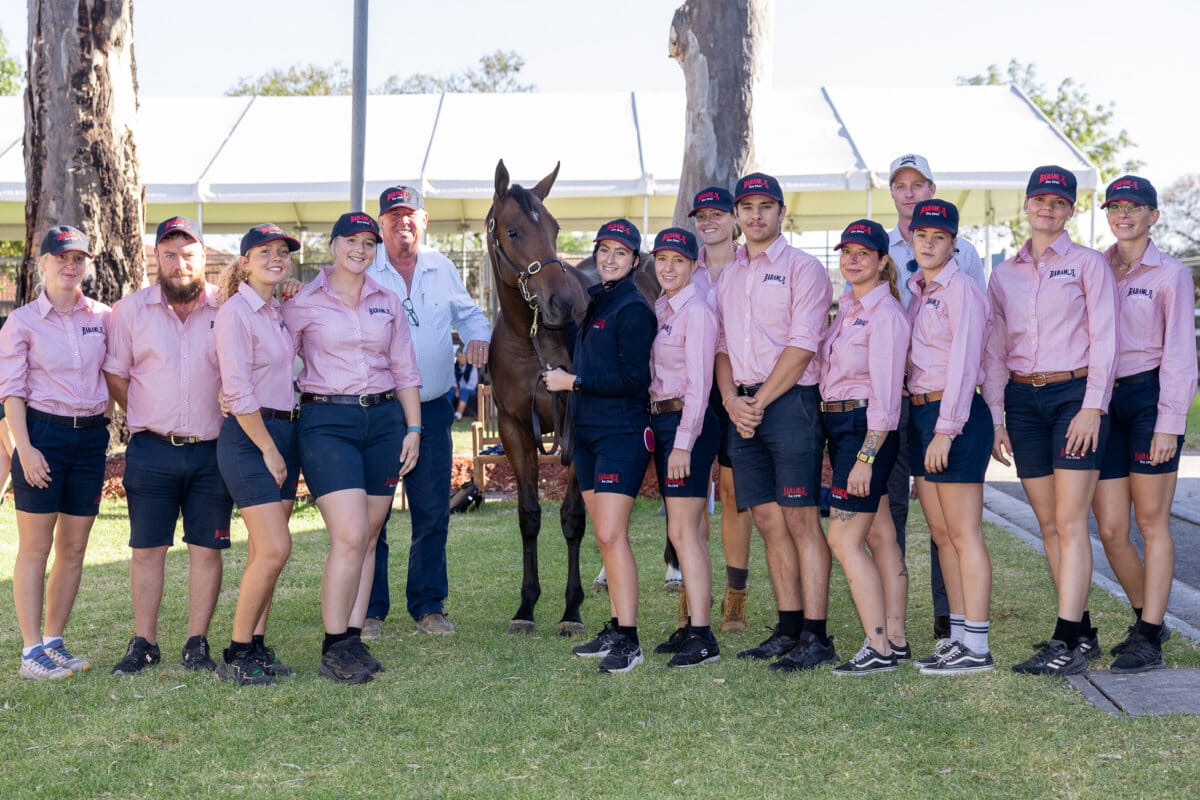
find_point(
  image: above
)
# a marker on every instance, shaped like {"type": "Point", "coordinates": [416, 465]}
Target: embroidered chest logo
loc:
{"type": "Point", "coordinates": [1061, 273]}
{"type": "Point", "coordinates": [772, 277]}
{"type": "Point", "coordinates": [859, 323]}
{"type": "Point", "coordinates": [665, 328]}
{"type": "Point", "coordinates": [598, 325]}
{"type": "Point", "coordinates": [933, 301]}
{"type": "Point", "coordinates": [90, 329]}
{"type": "Point", "coordinates": [374, 311]}
{"type": "Point", "coordinates": [1137, 291]}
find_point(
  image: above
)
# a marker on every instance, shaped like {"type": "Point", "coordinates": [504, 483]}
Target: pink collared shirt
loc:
{"type": "Point", "coordinates": [1158, 331]}
{"type": "Point", "coordinates": [256, 352]}
{"type": "Point", "coordinates": [862, 355]}
{"type": "Point", "coordinates": [702, 279]}
{"type": "Point", "coordinates": [362, 349]}
{"type": "Point", "coordinates": [1055, 315]}
{"type": "Point", "coordinates": [681, 360]}
{"type": "Point", "coordinates": [949, 318]}
{"type": "Point", "coordinates": [778, 299]}
{"type": "Point", "coordinates": [171, 365]}
{"type": "Point", "coordinates": [52, 361]}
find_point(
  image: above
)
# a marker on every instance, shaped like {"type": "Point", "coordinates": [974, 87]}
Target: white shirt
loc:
{"type": "Point", "coordinates": [967, 257]}
{"type": "Point", "coordinates": [440, 303]}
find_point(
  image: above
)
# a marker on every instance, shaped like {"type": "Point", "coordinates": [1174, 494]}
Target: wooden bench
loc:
{"type": "Point", "coordinates": [485, 433]}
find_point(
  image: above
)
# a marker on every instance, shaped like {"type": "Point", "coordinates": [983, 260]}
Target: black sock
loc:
{"type": "Point", "coordinates": [236, 649]}
{"type": "Point", "coordinates": [735, 578]}
{"type": "Point", "coordinates": [789, 623]}
{"type": "Point", "coordinates": [817, 628]}
{"type": "Point", "coordinates": [1086, 621]}
{"type": "Point", "coordinates": [193, 641]}
{"type": "Point", "coordinates": [258, 640]}
{"type": "Point", "coordinates": [1137, 612]}
{"type": "Point", "coordinates": [1067, 631]}
{"type": "Point", "coordinates": [331, 639]}
{"type": "Point", "coordinates": [704, 631]}
{"type": "Point", "coordinates": [629, 631]}
{"type": "Point", "coordinates": [1149, 630]}
{"type": "Point", "coordinates": [354, 632]}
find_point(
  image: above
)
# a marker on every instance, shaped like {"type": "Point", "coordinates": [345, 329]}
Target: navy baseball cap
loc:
{"type": "Point", "coordinates": [621, 231]}
{"type": "Point", "coordinates": [181, 224]}
{"type": "Point", "coordinates": [355, 222]}
{"type": "Point", "coordinates": [400, 197]}
{"type": "Point", "coordinates": [1052, 179]}
{"type": "Point", "coordinates": [712, 197]}
{"type": "Point", "coordinates": [265, 234]}
{"type": "Point", "coordinates": [1132, 189]}
{"type": "Point", "coordinates": [677, 240]}
{"type": "Point", "coordinates": [758, 183]}
{"type": "Point", "coordinates": [868, 233]}
{"type": "Point", "coordinates": [935, 214]}
{"type": "Point", "coordinates": [63, 239]}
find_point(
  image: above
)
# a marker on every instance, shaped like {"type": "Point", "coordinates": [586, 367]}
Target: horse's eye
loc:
{"type": "Point", "coordinates": [512, 233]}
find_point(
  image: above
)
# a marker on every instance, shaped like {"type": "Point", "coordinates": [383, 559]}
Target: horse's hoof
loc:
{"type": "Point", "coordinates": [673, 580]}
{"type": "Point", "coordinates": [673, 586]}
{"type": "Point", "coordinates": [520, 626]}
{"type": "Point", "coordinates": [599, 586]}
{"type": "Point", "coordinates": [568, 628]}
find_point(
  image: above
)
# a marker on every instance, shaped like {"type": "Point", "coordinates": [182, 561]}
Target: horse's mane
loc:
{"type": "Point", "coordinates": [526, 199]}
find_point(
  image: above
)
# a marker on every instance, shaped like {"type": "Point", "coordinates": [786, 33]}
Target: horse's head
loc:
{"type": "Point", "coordinates": [522, 238]}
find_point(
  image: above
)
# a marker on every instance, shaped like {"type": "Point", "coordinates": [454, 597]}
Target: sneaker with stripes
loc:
{"type": "Point", "coordinates": [868, 661]}
{"type": "Point", "coordinates": [940, 648]}
{"type": "Point", "coordinates": [1053, 658]}
{"type": "Point", "coordinates": [57, 652]}
{"type": "Point", "coordinates": [959, 661]}
{"type": "Point", "coordinates": [38, 666]}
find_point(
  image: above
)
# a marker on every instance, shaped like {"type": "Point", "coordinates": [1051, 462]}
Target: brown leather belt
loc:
{"type": "Point", "coordinates": [666, 406]}
{"type": "Point", "coordinates": [922, 399]}
{"type": "Point", "coordinates": [836, 406]}
{"type": "Point", "coordinates": [1046, 378]}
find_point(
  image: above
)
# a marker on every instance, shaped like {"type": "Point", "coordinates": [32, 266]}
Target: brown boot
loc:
{"type": "Point", "coordinates": [733, 610]}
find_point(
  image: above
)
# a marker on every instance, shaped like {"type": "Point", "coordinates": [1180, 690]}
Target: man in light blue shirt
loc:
{"type": "Point", "coordinates": [435, 302]}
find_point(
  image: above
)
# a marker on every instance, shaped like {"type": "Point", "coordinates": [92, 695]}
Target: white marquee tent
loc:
{"type": "Point", "coordinates": [236, 161]}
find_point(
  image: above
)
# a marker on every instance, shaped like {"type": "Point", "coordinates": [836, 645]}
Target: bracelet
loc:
{"type": "Point", "coordinates": [725, 401]}
{"type": "Point", "coordinates": [864, 458]}
{"type": "Point", "coordinates": [417, 429]}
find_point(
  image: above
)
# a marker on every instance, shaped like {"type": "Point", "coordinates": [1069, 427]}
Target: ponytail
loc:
{"type": "Point", "coordinates": [888, 272]}
{"type": "Point", "coordinates": [233, 276]}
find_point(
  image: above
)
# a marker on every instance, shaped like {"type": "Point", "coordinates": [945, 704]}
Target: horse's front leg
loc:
{"type": "Point", "coordinates": [574, 520]}
{"type": "Point", "coordinates": [519, 446]}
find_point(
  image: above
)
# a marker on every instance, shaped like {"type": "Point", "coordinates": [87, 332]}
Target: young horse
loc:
{"type": "Point", "coordinates": [538, 296]}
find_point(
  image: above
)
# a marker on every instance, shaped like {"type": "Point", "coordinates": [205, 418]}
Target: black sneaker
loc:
{"type": "Point", "coordinates": [808, 653]}
{"type": "Point", "coordinates": [940, 649]}
{"type": "Point", "coordinates": [623, 655]}
{"type": "Point", "coordinates": [959, 661]}
{"type": "Point", "coordinates": [902, 652]}
{"type": "Point", "coordinates": [1053, 658]}
{"type": "Point", "coordinates": [774, 646]}
{"type": "Point", "coordinates": [265, 656]}
{"type": "Point", "coordinates": [868, 661]}
{"type": "Point", "coordinates": [243, 670]}
{"type": "Point", "coordinates": [1089, 644]}
{"type": "Point", "coordinates": [1140, 655]}
{"type": "Point", "coordinates": [196, 655]}
{"type": "Point", "coordinates": [1164, 634]}
{"type": "Point", "coordinates": [695, 650]}
{"type": "Point", "coordinates": [598, 647]}
{"type": "Point", "coordinates": [139, 655]}
{"type": "Point", "coordinates": [674, 642]}
{"type": "Point", "coordinates": [340, 664]}
{"type": "Point", "coordinates": [359, 648]}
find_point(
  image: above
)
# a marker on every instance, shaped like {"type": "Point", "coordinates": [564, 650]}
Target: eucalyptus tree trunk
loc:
{"type": "Point", "coordinates": [723, 48]}
{"type": "Point", "coordinates": [81, 165]}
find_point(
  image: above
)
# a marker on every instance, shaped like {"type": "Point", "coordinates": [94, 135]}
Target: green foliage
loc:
{"type": "Point", "coordinates": [497, 72]}
{"type": "Point", "coordinates": [299, 79]}
{"type": "Point", "coordinates": [11, 71]}
{"type": "Point", "coordinates": [1178, 229]}
{"type": "Point", "coordinates": [574, 242]}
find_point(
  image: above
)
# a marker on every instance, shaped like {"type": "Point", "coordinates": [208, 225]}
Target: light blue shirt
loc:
{"type": "Point", "coordinates": [969, 263]}
{"type": "Point", "coordinates": [441, 304]}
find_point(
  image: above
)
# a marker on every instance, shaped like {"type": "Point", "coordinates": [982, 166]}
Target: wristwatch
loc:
{"type": "Point", "coordinates": [864, 458]}
{"type": "Point", "coordinates": [577, 385]}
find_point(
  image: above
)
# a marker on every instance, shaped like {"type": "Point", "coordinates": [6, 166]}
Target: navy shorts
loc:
{"type": "Point", "coordinates": [1133, 413]}
{"type": "Point", "coordinates": [781, 463]}
{"type": "Point", "coordinates": [76, 460]}
{"type": "Point", "coordinates": [242, 466]}
{"type": "Point", "coordinates": [844, 432]}
{"type": "Point", "coordinates": [349, 447]}
{"type": "Point", "coordinates": [1037, 419]}
{"type": "Point", "coordinates": [610, 461]}
{"type": "Point", "coordinates": [704, 450]}
{"type": "Point", "coordinates": [714, 402]}
{"type": "Point", "coordinates": [969, 452]}
{"type": "Point", "coordinates": [162, 481]}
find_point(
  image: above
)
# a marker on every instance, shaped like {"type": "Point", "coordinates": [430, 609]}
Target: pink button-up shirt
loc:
{"type": "Point", "coordinates": [1158, 331]}
{"type": "Point", "coordinates": [171, 365]}
{"type": "Point", "coordinates": [949, 318]}
{"type": "Point", "coordinates": [52, 361]}
{"type": "Point", "coordinates": [702, 279]}
{"type": "Point", "coordinates": [778, 299]}
{"type": "Point", "coordinates": [862, 355]}
{"type": "Point", "coordinates": [362, 349]}
{"type": "Point", "coordinates": [681, 360]}
{"type": "Point", "coordinates": [256, 353]}
{"type": "Point", "coordinates": [1055, 315]}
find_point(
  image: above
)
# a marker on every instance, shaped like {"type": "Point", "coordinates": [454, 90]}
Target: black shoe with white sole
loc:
{"type": "Point", "coordinates": [674, 642]}
{"type": "Point", "coordinates": [696, 650]}
{"type": "Point", "coordinates": [960, 661]}
{"type": "Point", "coordinates": [599, 646]}
{"type": "Point", "coordinates": [775, 645]}
{"type": "Point", "coordinates": [809, 653]}
{"type": "Point", "coordinates": [868, 661]}
{"type": "Point", "coordinates": [1053, 658]}
{"type": "Point", "coordinates": [623, 655]}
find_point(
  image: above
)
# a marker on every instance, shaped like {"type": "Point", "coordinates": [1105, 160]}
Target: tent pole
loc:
{"type": "Point", "coordinates": [1095, 199]}
{"type": "Point", "coordinates": [646, 215]}
{"type": "Point", "coordinates": [870, 203]}
{"type": "Point", "coordinates": [358, 103]}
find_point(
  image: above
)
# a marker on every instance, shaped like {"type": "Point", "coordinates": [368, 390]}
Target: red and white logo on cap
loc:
{"type": "Point", "coordinates": [929, 211]}
{"type": "Point", "coordinates": [858, 227]}
{"type": "Point", "coordinates": [1052, 178]}
{"type": "Point", "coordinates": [617, 227]}
{"type": "Point", "coordinates": [1127, 183]}
{"type": "Point", "coordinates": [755, 183]}
{"type": "Point", "coordinates": [401, 195]}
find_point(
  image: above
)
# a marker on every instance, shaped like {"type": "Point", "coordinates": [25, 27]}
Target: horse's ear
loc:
{"type": "Point", "coordinates": [501, 179]}
{"type": "Point", "coordinates": [542, 190]}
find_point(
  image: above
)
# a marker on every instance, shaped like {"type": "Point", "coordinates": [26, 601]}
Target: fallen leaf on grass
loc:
{"type": "Point", "coordinates": [719, 681]}
{"type": "Point", "coordinates": [1110, 756]}
{"type": "Point", "coordinates": [945, 771]}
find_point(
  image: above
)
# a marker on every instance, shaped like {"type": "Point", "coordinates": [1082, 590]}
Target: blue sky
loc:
{"type": "Point", "coordinates": [1138, 55]}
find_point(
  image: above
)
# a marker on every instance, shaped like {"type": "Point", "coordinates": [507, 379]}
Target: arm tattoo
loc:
{"type": "Point", "coordinates": [844, 516]}
{"type": "Point", "coordinates": [870, 445]}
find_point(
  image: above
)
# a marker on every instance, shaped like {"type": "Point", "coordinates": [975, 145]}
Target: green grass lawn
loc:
{"type": "Point", "coordinates": [487, 715]}
{"type": "Point", "coordinates": [1192, 440]}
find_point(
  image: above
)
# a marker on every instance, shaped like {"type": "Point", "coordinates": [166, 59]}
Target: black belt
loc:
{"type": "Point", "coordinates": [748, 391]}
{"type": "Point", "coordinates": [177, 440]}
{"type": "Point", "coordinates": [93, 421]}
{"type": "Point", "coordinates": [837, 406]}
{"type": "Point", "coordinates": [1138, 377]}
{"type": "Point", "coordinates": [274, 413]}
{"type": "Point", "coordinates": [666, 406]}
{"type": "Point", "coordinates": [364, 400]}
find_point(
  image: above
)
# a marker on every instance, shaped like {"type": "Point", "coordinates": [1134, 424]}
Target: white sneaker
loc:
{"type": "Point", "coordinates": [41, 668]}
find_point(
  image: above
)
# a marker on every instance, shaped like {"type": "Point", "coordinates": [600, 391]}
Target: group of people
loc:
{"type": "Point", "coordinates": [1078, 365]}
{"type": "Point", "coordinates": [374, 333]}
